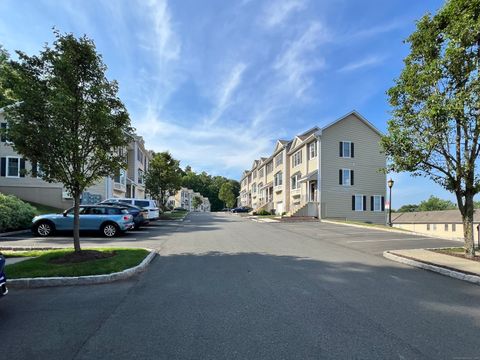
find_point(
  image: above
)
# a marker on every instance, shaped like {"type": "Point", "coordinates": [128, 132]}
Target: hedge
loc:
{"type": "Point", "coordinates": [14, 213]}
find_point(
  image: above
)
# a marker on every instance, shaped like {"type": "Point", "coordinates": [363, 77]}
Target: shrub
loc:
{"type": "Point", "coordinates": [14, 213]}
{"type": "Point", "coordinates": [263, 213]}
{"type": "Point", "coordinates": [272, 212]}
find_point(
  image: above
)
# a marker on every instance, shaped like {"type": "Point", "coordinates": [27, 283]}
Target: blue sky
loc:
{"type": "Point", "coordinates": [217, 82]}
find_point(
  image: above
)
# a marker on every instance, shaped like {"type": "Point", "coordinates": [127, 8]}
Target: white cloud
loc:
{"type": "Point", "coordinates": [226, 91]}
{"type": "Point", "coordinates": [368, 61]}
{"type": "Point", "coordinates": [162, 40]}
{"type": "Point", "coordinates": [279, 11]}
{"type": "Point", "coordinates": [297, 62]}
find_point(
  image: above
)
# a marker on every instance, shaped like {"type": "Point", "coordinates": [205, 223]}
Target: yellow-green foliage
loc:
{"type": "Point", "coordinates": [14, 213]}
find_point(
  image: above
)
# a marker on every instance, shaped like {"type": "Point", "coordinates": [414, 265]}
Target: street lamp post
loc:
{"type": "Point", "coordinates": [390, 185]}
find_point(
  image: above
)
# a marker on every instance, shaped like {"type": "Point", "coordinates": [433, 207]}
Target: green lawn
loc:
{"type": "Point", "coordinates": [44, 209]}
{"type": "Point", "coordinates": [29, 253]}
{"type": "Point", "coordinates": [40, 266]}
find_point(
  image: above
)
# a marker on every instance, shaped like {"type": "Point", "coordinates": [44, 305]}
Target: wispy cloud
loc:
{"type": "Point", "coordinates": [379, 29]}
{"type": "Point", "coordinates": [226, 92]}
{"type": "Point", "coordinates": [278, 11]}
{"type": "Point", "coordinates": [366, 62]}
{"type": "Point", "coordinates": [163, 40]}
{"type": "Point", "coordinates": [300, 59]}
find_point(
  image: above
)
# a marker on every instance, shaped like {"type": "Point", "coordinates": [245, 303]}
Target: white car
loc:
{"type": "Point", "coordinates": [150, 205]}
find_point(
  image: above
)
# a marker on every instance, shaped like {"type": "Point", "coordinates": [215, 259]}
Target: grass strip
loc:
{"type": "Point", "coordinates": [41, 267]}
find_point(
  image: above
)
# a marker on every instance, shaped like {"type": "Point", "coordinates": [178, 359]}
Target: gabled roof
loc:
{"type": "Point", "coordinates": [432, 217]}
{"type": "Point", "coordinates": [280, 145]}
{"type": "Point", "coordinates": [308, 133]}
{"type": "Point", "coordinates": [359, 116]}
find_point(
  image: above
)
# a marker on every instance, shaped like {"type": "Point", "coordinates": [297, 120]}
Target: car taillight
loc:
{"type": "Point", "coordinates": [127, 217]}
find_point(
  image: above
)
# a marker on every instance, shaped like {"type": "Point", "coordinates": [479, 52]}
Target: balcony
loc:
{"type": "Point", "coordinates": [278, 188]}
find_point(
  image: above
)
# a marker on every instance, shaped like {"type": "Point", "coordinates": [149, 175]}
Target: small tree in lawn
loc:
{"type": "Point", "coordinates": [196, 202]}
{"type": "Point", "coordinates": [163, 177]}
{"type": "Point", "coordinates": [226, 194]}
{"type": "Point", "coordinates": [435, 127]}
{"type": "Point", "coordinates": [67, 117]}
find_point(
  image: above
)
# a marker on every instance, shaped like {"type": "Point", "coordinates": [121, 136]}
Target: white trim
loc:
{"type": "Point", "coordinates": [349, 149]}
{"type": "Point", "coordinates": [349, 177]}
{"type": "Point", "coordinates": [8, 167]}
{"type": "Point", "coordinates": [293, 158]}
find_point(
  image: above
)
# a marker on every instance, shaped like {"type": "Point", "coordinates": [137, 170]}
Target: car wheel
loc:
{"type": "Point", "coordinates": [44, 229]}
{"type": "Point", "coordinates": [109, 230]}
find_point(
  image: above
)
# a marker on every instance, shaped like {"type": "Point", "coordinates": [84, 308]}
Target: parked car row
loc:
{"type": "Point", "coordinates": [241, 209]}
{"type": "Point", "coordinates": [111, 217]}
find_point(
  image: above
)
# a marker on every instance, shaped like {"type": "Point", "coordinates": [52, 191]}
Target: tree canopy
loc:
{"type": "Point", "coordinates": [227, 195]}
{"type": "Point", "coordinates": [67, 117]}
{"type": "Point", "coordinates": [435, 126]}
{"type": "Point", "coordinates": [163, 177]}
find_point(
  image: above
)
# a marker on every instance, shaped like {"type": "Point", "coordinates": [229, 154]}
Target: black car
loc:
{"type": "Point", "coordinates": [241, 209]}
{"type": "Point", "coordinates": [140, 215]}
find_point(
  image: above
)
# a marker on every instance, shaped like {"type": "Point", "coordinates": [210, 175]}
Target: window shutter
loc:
{"type": "Point", "coordinates": [3, 136]}
{"type": "Point", "coordinates": [3, 166]}
{"type": "Point", "coordinates": [371, 203]}
{"type": "Point", "coordinates": [383, 203]}
{"type": "Point", "coordinates": [364, 203]}
{"type": "Point", "coordinates": [341, 148]}
{"type": "Point", "coordinates": [353, 202]}
{"type": "Point", "coordinates": [340, 177]}
{"type": "Point", "coordinates": [351, 177]}
{"type": "Point", "coordinates": [22, 167]}
{"type": "Point", "coordinates": [352, 148]}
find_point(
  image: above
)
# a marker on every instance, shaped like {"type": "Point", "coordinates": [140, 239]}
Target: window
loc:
{"type": "Point", "coordinates": [359, 202]}
{"type": "Point", "coordinates": [346, 149]}
{"type": "Point", "coordinates": [346, 177]}
{"type": "Point", "coordinates": [454, 227]}
{"type": "Point", "coordinates": [260, 172]}
{"type": "Point", "coordinates": [269, 167]}
{"type": "Point", "coordinates": [140, 176]}
{"type": "Point", "coordinates": [120, 178]}
{"type": "Point", "coordinates": [142, 203]}
{"type": "Point", "coordinates": [446, 227]}
{"type": "Point", "coordinates": [254, 174]}
{"type": "Point", "coordinates": [254, 188]}
{"type": "Point", "coordinates": [377, 203]}
{"type": "Point", "coordinates": [140, 156]}
{"type": "Point", "coordinates": [279, 159]}
{"type": "Point", "coordinates": [295, 184]}
{"type": "Point", "coordinates": [428, 227]}
{"type": "Point", "coordinates": [13, 167]}
{"type": "Point", "coordinates": [297, 158]}
{"type": "Point", "coordinates": [278, 179]}
{"type": "Point", "coordinates": [312, 150]}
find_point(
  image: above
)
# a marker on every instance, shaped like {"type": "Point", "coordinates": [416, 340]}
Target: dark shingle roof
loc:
{"type": "Point", "coordinates": [425, 217]}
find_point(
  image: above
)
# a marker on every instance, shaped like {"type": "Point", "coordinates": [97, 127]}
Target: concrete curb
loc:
{"type": "Point", "coordinates": [10, 233]}
{"type": "Point", "coordinates": [82, 280]}
{"type": "Point", "coordinates": [438, 269]}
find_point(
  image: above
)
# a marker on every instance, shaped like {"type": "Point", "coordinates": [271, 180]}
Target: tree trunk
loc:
{"type": "Point", "coordinates": [76, 223]}
{"type": "Point", "coordinates": [467, 218]}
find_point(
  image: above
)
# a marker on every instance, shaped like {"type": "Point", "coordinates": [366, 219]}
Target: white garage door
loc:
{"type": "Point", "coordinates": [279, 208]}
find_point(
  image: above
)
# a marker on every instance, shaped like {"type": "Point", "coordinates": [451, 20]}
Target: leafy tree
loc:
{"type": "Point", "coordinates": [435, 126]}
{"type": "Point", "coordinates": [163, 177]}
{"type": "Point", "coordinates": [197, 201]}
{"type": "Point", "coordinates": [226, 194]}
{"type": "Point", "coordinates": [434, 203]}
{"type": "Point", "coordinates": [68, 117]}
{"type": "Point", "coordinates": [5, 95]}
{"type": "Point", "coordinates": [408, 208]}
{"type": "Point", "coordinates": [476, 204]}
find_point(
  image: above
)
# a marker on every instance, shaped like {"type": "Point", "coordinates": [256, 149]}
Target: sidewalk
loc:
{"type": "Point", "coordinates": [453, 266]}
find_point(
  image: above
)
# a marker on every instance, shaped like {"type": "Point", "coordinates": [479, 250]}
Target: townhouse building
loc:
{"type": "Point", "coordinates": [183, 198]}
{"type": "Point", "coordinates": [21, 178]}
{"type": "Point", "coordinates": [329, 172]}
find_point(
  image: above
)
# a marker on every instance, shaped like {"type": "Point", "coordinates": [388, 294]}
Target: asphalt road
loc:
{"type": "Point", "coordinates": [229, 288]}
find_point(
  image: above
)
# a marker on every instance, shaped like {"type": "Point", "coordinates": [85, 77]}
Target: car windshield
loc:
{"type": "Point", "coordinates": [142, 203]}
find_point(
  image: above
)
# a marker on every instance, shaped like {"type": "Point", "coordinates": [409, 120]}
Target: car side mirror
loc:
{"type": "Point", "coordinates": [65, 213]}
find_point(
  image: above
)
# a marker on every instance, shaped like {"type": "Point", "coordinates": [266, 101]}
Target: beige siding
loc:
{"type": "Point", "coordinates": [438, 230]}
{"type": "Point", "coordinates": [368, 180]}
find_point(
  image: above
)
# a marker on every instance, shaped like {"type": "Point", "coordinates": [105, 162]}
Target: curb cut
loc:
{"type": "Point", "coordinates": [10, 233]}
{"type": "Point", "coordinates": [82, 280]}
{"type": "Point", "coordinates": [438, 269]}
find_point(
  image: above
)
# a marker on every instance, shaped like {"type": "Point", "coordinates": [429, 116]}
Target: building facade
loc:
{"type": "Point", "coordinates": [330, 172]}
{"type": "Point", "coordinates": [23, 179]}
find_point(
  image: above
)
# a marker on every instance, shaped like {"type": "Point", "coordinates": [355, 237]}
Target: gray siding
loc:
{"type": "Point", "coordinates": [368, 180]}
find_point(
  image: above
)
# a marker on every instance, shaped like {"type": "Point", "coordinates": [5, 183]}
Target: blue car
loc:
{"type": "Point", "coordinates": [3, 278]}
{"type": "Point", "coordinates": [109, 220]}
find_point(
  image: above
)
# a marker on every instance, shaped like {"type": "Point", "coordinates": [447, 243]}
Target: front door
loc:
{"type": "Point", "coordinates": [313, 191]}
{"type": "Point", "coordinates": [279, 209]}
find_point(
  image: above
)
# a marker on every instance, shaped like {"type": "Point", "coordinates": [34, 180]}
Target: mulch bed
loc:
{"type": "Point", "coordinates": [82, 256]}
